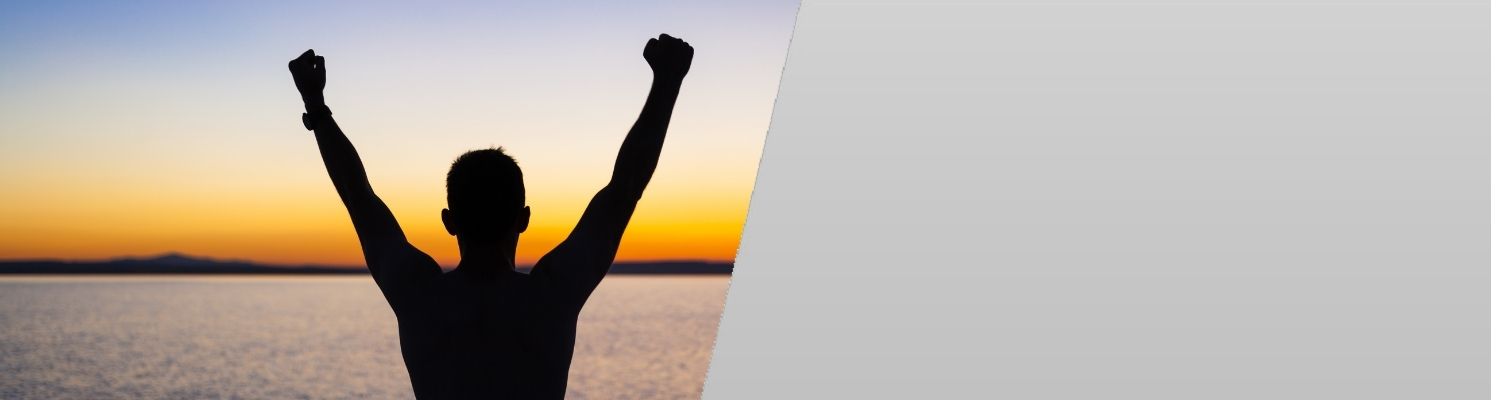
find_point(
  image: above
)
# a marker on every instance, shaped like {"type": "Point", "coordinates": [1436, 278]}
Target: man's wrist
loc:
{"type": "Point", "coordinates": [316, 116]}
{"type": "Point", "coordinates": [313, 103]}
{"type": "Point", "coordinates": [666, 82]}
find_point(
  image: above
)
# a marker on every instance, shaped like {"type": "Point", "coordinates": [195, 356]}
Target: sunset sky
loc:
{"type": "Point", "coordinates": [138, 129]}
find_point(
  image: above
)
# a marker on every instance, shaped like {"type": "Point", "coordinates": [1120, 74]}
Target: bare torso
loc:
{"type": "Point", "coordinates": [506, 336]}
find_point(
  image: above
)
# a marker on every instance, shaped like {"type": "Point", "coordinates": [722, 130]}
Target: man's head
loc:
{"type": "Point", "coordinates": [486, 198]}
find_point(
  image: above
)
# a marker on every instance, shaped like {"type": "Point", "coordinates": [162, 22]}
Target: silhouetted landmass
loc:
{"type": "Point", "coordinates": [170, 263]}
{"type": "Point", "coordinates": [667, 267]}
{"type": "Point", "coordinates": [175, 263]}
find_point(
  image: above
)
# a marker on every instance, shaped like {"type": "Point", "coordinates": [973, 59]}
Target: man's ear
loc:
{"type": "Point", "coordinates": [448, 222]}
{"type": "Point", "coordinates": [523, 220]}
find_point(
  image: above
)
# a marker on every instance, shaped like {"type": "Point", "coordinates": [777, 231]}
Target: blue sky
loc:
{"type": "Point", "coordinates": [183, 115]}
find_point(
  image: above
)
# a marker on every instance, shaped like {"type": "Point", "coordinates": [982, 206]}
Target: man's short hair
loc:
{"type": "Point", "coordinates": [485, 191]}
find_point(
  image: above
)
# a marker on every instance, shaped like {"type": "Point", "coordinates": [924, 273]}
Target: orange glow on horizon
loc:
{"type": "Point", "coordinates": [281, 228]}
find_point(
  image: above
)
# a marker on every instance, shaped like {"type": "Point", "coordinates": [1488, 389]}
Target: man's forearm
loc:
{"type": "Point", "coordinates": [642, 147]}
{"type": "Point", "coordinates": [341, 160]}
{"type": "Point", "coordinates": [310, 74]}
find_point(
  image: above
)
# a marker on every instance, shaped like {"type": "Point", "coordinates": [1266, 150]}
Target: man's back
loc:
{"type": "Point", "coordinates": [500, 336]}
{"type": "Point", "coordinates": [485, 330]}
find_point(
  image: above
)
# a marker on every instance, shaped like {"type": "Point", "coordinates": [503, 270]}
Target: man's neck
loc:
{"type": "Point", "coordinates": [486, 259]}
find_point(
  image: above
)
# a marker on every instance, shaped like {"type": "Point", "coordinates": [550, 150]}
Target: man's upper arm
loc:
{"type": "Point", "coordinates": [394, 263]}
{"type": "Point", "coordinates": [581, 261]}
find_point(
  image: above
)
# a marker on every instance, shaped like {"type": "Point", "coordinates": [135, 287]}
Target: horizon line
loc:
{"type": "Point", "coordinates": [181, 255]}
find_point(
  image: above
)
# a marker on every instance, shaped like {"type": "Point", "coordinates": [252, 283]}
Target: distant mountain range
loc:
{"type": "Point", "coordinates": [177, 263]}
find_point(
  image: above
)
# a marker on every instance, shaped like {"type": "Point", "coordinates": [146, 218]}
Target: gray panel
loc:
{"type": "Point", "coordinates": [1163, 200]}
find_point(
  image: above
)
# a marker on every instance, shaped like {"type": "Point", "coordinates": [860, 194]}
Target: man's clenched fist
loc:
{"type": "Point", "coordinates": [669, 57]}
{"type": "Point", "coordinates": [309, 74]}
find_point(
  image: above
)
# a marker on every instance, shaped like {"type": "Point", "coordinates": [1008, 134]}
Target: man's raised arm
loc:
{"type": "Point", "coordinates": [391, 259]}
{"type": "Point", "coordinates": [582, 259]}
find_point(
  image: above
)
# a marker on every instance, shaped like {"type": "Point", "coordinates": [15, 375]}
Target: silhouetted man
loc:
{"type": "Point", "coordinates": [485, 330]}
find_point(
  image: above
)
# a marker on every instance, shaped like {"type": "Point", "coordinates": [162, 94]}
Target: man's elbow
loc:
{"type": "Point", "coordinates": [623, 190]}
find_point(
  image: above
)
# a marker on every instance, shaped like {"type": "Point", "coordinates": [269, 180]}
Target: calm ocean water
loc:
{"type": "Point", "coordinates": [195, 337]}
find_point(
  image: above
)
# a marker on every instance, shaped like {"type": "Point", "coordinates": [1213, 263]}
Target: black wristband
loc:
{"type": "Point", "coordinates": [313, 116]}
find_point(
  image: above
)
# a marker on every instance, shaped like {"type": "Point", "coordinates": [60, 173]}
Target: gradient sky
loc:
{"type": "Point", "coordinates": [135, 129]}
